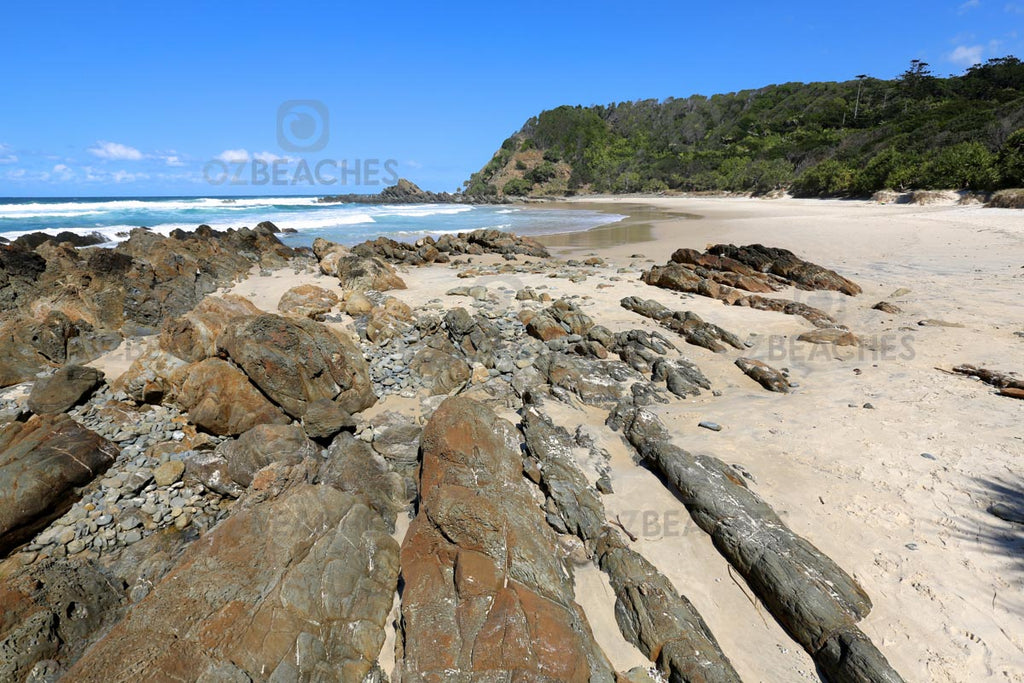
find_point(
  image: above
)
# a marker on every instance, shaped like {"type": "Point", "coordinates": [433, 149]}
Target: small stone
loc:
{"type": "Point", "coordinates": [76, 546]}
{"type": "Point", "coordinates": [168, 473]}
{"type": "Point", "coordinates": [928, 456]}
{"type": "Point", "coordinates": [104, 520]}
{"type": "Point", "coordinates": [604, 484]}
{"type": "Point", "coordinates": [868, 406]}
{"type": "Point", "coordinates": [130, 522]}
{"type": "Point", "coordinates": [713, 426]}
{"type": "Point", "coordinates": [911, 546]}
{"type": "Point", "coordinates": [132, 536]}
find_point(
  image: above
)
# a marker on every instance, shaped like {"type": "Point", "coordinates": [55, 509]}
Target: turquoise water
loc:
{"type": "Point", "coordinates": [348, 224]}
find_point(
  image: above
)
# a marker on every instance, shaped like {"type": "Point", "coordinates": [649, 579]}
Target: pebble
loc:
{"type": "Point", "coordinates": [168, 473]}
{"type": "Point", "coordinates": [928, 456]}
{"type": "Point", "coordinates": [869, 406]}
{"type": "Point", "coordinates": [713, 426]}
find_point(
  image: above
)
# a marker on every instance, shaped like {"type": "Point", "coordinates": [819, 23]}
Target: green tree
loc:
{"type": "Point", "coordinates": [1010, 162]}
{"type": "Point", "coordinates": [517, 187]}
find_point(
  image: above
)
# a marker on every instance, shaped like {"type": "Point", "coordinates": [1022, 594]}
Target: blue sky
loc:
{"type": "Point", "coordinates": [145, 98]}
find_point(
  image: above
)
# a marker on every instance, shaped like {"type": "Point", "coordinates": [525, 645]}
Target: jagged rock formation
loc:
{"type": "Point", "coordinates": [486, 596]}
{"type": "Point", "coordinates": [815, 601]}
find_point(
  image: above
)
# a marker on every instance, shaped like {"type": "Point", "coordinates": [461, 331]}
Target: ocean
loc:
{"type": "Point", "coordinates": [114, 217]}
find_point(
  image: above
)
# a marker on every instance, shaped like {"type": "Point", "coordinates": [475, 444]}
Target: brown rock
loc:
{"type": "Point", "coordinates": [64, 389]}
{"type": "Point", "coordinates": [887, 307]}
{"type": "Point", "coordinates": [764, 374]}
{"type": "Point", "coordinates": [193, 336]}
{"type": "Point", "coordinates": [325, 418]}
{"type": "Point", "coordinates": [829, 335]}
{"type": "Point", "coordinates": [357, 304]}
{"type": "Point", "coordinates": [359, 274]}
{"type": "Point", "coordinates": [307, 301]}
{"type": "Point", "coordinates": [297, 361]}
{"type": "Point", "coordinates": [296, 588]}
{"type": "Point", "coordinates": [485, 593]}
{"type": "Point", "coordinates": [168, 472]}
{"type": "Point", "coordinates": [42, 461]}
{"type": "Point", "coordinates": [220, 399]}
{"type": "Point", "coordinates": [262, 445]}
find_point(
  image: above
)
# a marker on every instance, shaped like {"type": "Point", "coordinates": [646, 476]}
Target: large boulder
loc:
{"type": "Point", "coordinates": [62, 390]}
{"type": "Point", "coordinates": [359, 274]}
{"type": "Point", "coordinates": [193, 336]}
{"type": "Point", "coordinates": [307, 301]}
{"type": "Point", "coordinates": [787, 265]}
{"type": "Point", "coordinates": [295, 588]}
{"type": "Point", "coordinates": [297, 361]}
{"type": "Point", "coordinates": [220, 399]}
{"type": "Point", "coordinates": [42, 461]}
{"type": "Point", "coordinates": [486, 596]}
{"type": "Point", "coordinates": [262, 445]}
{"type": "Point", "coordinates": [153, 377]}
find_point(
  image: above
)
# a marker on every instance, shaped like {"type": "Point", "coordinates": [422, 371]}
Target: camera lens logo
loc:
{"type": "Point", "coordinates": [302, 126]}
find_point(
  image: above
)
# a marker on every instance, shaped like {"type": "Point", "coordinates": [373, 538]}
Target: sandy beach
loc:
{"type": "Point", "coordinates": [881, 460]}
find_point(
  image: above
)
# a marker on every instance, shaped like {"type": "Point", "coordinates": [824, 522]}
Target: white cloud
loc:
{"type": "Point", "coordinates": [7, 155]}
{"type": "Point", "coordinates": [174, 161]}
{"type": "Point", "coordinates": [115, 151]}
{"type": "Point", "coordinates": [63, 172]}
{"type": "Point", "coordinates": [969, 5]}
{"type": "Point", "coordinates": [967, 55]}
{"type": "Point", "coordinates": [270, 157]}
{"type": "Point", "coordinates": [126, 177]}
{"type": "Point", "coordinates": [234, 156]}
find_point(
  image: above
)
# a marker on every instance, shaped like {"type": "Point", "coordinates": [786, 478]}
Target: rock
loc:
{"type": "Point", "coordinates": [262, 445]}
{"type": "Point", "coordinates": [153, 377]}
{"type": "Point", "coordinates": [42, 461]}
{"type": "Point", "coordinates": [307, 301]}
{"type": "Point", "coordinates": [764, 374]}
{"type": "Point", "coordinates": [663, 624]}
{"type": "Point", "coordinates": [297, 361]}
{"type": "Point", "coordinates": [211, 470]}
{"type": "Point", "coordinates": [931, 322]}
{"type": "Point", "coordinates": [680, 278]}
{"type": "Point", "coordinates": [442, 372]}
{"type": "Point", "coordinates": [359, 274]}
{"type": "Point", "coordinates": [357, 304]}
{"type": "Point", "coordinates": [681, 377]}
{"type": "Point", "coordinates": [561, 319]}
{"type": "Point", "coordinates": [295, 588]}
{"type": "Point", "coordinates": [324, 418]}
{"type": "Point", "coordinates": [485, 591]}
{"type": "Point", "coordinates": [815, 316]}
{"type": "Point", "coordinates": [809, 595]}
{"type": "Point", "coordinates": [53, 610]}
{"type": "Point", "coordinates": [829, 335]}
{"type": "Point", "coordinates": [887, 307]}
{"type": "Point", "coordinates": [352, 467]}
{"type": "Point", "coordinates": [397, 438]}
{"type": "Point", "coordinates": [220, 399]}
{"type": "Point", "coordinates": [785, 264]}
{"type": "Point", "coordinates": [713, 426]}
{"type": "Point", "coordinates": [594, 382]}
{"type": "Point", "coordinates": [193, 336]}
{"type": "Point", "coordinates": [169, 472]}
{"type": "Point", "coordinates": [63, 390]}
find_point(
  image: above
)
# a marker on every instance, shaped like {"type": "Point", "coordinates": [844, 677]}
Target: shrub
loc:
{"type": "Point", "coordinates": [518, 187]}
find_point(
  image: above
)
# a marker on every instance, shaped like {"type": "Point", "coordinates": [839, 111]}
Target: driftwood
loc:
{"type": "Point", "coordinates": [808, 594]}
{"type": "Point", "coordinates": [651, 614]}
{"type": "Point", "coordinates": [998, 379]}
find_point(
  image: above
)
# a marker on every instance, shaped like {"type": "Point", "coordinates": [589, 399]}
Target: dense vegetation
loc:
{"type": "Point", "coordinates": [842, 139]}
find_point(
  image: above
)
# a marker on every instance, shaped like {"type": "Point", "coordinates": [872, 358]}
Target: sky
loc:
{"type": "Point", "coordinates": [187, 98]}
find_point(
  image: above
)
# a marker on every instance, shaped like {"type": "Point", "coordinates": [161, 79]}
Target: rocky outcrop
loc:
{"type": "Point", "coordinates": [592, 382]}
{"type": "Point", "coordinates": [42, 461]}
{"type": "Point", "coordinates": [490, 241]}
{"type": "Point", "coordinates": [307, 301]}
{"type": "Point", "coordinates": [811, 597]}
{"type": "Point", "coordinates": [193, 336]}
{"type": "Point", "coordinates": [686, 324]}
{"type": "Point", "coordinates": [262, 445]}
{"type": "Point", "coordinates": [650, 612]}
{"type": "Point", "coordinates": [764, 374]}
{"type": "Point", "coordinates": [52, 611]}
{"type": "Point", "coordinates": [418, 254]}
{"type": "Point", "coordinates": [402, 192]}
{"type": "Point", "coordinates": [486, 596]}
{"type": "Point", "coordinates": [788, 266]}
{"type": "Point", "coordinates": [297, 587]}
{"type": "Point", "coordinates": [63, 390]}
{"type": "Point", "coordinates": [220, 399]}
{"type": "Point", "coordinates": [815, 316]}
{"type": "Point", "coordinates": [297, 361]}
{"type": "Point", "coordinates": [560, 319]}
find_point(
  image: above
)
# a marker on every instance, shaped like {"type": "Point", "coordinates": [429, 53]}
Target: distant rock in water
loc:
{"type": "Point", "coordinates": [34, 239]}
{"type": "Point", "coordinates": [403, 192]}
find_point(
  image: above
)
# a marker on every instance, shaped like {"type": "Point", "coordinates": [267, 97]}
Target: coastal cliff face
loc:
{"type": "Point", "coordinates": [350, 488]}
